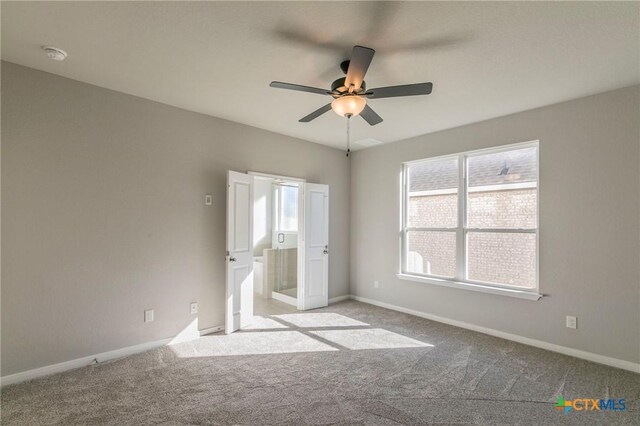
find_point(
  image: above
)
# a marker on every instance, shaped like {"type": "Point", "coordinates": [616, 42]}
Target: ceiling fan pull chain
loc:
{"type": "Point", "coordinates": [348, 134]}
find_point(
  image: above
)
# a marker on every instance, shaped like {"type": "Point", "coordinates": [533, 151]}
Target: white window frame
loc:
{"type": "Point", "coordinates": [461, 230]}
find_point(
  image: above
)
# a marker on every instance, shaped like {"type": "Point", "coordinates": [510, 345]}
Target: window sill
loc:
{"type": "Point", "coordinates": [521, 294]}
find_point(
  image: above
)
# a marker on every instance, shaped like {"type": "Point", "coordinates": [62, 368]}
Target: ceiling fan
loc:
{"type": "Point", "coordinates": [350, 93]}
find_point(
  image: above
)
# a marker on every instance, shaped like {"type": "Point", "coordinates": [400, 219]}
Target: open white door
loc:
{"type": "Point", "coordinates": [239, 304]}
{"type": "Point", "coordinates": [315, 288]}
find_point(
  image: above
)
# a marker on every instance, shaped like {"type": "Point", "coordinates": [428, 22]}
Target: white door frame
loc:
{"type": "Point", "coordinates": [301, 273]}
{"type": "Point", "coordinates": [268, 175]}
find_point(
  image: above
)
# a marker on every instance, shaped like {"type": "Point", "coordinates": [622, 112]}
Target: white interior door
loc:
{"type": "Point", "coordinates": [239, 302]}
{"type": "Point", "coordinates": [315, 288]}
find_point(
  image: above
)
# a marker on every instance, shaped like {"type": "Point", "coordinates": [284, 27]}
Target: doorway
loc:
{"type": "Point", "coordinates": [276, 239]}
{"type": "Point", "coordinates": [277, 244]}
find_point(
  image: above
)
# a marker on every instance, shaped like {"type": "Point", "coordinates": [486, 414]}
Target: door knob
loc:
{"type": "Point", "coordinates": [325, 251]}
{"type": "Point", "coordinates": [232, 259]}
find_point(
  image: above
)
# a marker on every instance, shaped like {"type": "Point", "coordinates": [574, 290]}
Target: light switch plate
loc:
{"type": "Point", "coordinates": [194, 308]}
{"type": "Point", "coordinates": [148, 315]}
{"type": "Point", "coordinates": [208, 200]}
{"type": "Point", "coordinates": [572, 322]}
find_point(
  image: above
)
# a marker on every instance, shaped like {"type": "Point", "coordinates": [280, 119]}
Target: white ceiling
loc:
{"type": "Point", "coordinates": [484, 59]}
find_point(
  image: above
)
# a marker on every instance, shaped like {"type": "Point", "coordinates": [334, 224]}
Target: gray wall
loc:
{"type": "Point", "coordinates": [589, 225]}
{"type": "Point", "coordinates": [103, 215]}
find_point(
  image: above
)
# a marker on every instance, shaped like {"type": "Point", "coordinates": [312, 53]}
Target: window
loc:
{"type": "Point", "coordinates": [472, 218]}
{"type": "Point", "coordinates": [285, 203]}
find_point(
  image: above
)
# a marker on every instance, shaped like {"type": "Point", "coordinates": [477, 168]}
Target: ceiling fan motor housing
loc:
{"type": "Point", "coordinates": [339, 87]}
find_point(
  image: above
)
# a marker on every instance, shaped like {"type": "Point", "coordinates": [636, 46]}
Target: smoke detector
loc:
{"type": "Point", "coordinates": [55, 53]}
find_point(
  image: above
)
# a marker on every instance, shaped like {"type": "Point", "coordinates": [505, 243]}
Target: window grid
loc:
{"type": "Point", "coordinates": [462, 231]}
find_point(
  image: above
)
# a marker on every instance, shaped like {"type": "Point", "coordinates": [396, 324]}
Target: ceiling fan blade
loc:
{"type": "Point", "coordinates": [315, 114]}
{"type": "Point", "coordinates": [395, 91]}
{"type": "Point", "coordinates": [370, 116]}
{"type": "Point", "coordinates": [358, 65]}
{"type": "Point", "coordinates": [298, 87]}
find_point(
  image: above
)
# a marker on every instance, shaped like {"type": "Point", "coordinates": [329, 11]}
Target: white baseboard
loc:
{"type": "Point", "coordinates": [339, 299]}
{"type": "Point", "coordinates": [81, 362]}
{"type": "Point", "coordinates": [210, 330]}
{"type": "Point", "coordinates": [284, 298]}
{"type": "Point", "coordinates": [117, 353]}
{"type": "Point", "coordinates": [589, 356]}
{"type": "Point", "coordinates": [130, 350]}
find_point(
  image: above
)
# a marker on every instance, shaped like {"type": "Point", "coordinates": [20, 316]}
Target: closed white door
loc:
{"type": "Point", "coordinates": [239, 293]}
{"type": "Point", "coordinates": [315, 288]}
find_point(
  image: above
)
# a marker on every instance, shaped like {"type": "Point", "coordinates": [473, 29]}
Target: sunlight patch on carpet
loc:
{"type": "Point", "coordinates": [250, 343]}
{"type": "Point", "coordinates": [374, 338]}
{"type": "Point", "coordinates": [325, 319]}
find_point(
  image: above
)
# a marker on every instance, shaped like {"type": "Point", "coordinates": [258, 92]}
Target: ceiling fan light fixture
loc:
{"type": "Point", "coordinates": [348, 105]}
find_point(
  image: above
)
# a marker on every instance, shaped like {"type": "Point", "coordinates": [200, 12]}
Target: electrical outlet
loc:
{"type": "Point", "coordinates": [208, 200]}
{"type": "Point", "coordinates": [148, 315]}
{"type": "Point", "coordinates": [572, 322]}
{"type": "Point", "coordinates": [376, 284]}
{"type": "Point", "coordinates": [194, 308]}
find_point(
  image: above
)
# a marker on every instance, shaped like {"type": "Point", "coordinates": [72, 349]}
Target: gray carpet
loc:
{"type": "Point", "coordinates": [350, 363]}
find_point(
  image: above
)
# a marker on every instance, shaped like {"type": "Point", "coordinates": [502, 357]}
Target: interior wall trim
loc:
{"type": "Point", "coordinates": [131, 350]}
{"type": "Point", "coordinates": [339, 299]}
{"type": "Point", "coordinates": [23, 376]}
{"type": "Point", "coordinates": [210, 330]}
{"type": "Point", "coordinates": [81, 362]}
{"type": "Point", "coordinates": [589, 356]}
